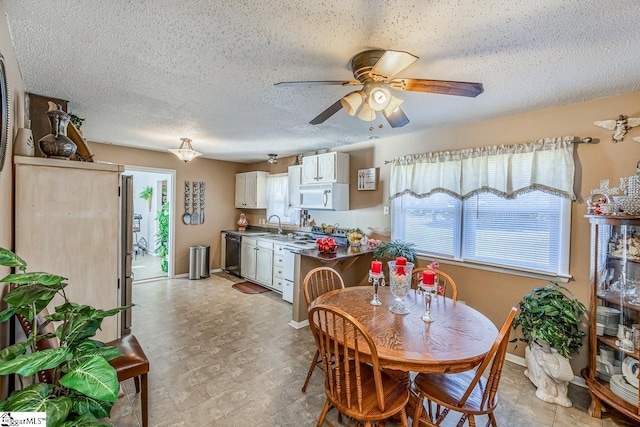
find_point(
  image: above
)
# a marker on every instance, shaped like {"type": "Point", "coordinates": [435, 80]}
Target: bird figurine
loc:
{"type": "Point", "coordinates": [619, 127]}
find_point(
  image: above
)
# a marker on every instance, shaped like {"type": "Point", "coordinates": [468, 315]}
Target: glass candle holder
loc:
{"type": "Point", "coordinates": [400, 283]}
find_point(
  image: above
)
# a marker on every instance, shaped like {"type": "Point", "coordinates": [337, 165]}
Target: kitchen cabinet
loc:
{"type": "Point", "coordinates": [264, 263]}
{"type": "Point", "coordinates": [295, 179]}
{"type": "Point", "coordinates": [257, 261]}
{"type": "Point", "coordinates": [251, 190]}
{"type": "Point", "coordinates": [325, 168]}
{"type": "Point", "coordinates": [278, 267]}
{"type": "Point", "coordinates": [67, 222]}
{"type": "Point", "coordinates": [248, 258]}
{"type": "Point", "coordinates": [615, 300]}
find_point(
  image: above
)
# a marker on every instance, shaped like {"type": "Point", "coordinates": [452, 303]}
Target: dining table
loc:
{"type": "Point", "coordinates": [457, 340]}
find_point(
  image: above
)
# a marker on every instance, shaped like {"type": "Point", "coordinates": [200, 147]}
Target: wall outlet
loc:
{"type": "Point", "coordinates": [386, 210]}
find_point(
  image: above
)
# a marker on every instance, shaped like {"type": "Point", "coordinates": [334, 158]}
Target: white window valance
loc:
{"type": "Point", "coordinates": [505, 170]}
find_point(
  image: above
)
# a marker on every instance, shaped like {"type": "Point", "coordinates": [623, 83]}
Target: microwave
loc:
{"type": "Point", "coordinates": [332, 197]}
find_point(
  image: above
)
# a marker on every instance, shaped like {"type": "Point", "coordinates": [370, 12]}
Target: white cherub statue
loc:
{"type": "Point", "coordinates": [620, 126]}
{"type": "Point", "coordinates": [550, 372]}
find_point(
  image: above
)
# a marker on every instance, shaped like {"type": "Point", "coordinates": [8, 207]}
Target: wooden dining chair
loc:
{"type": "Point", "coordinates": [132, 364]}
{"type": "Point", "coordinates": [445, 282]}
{"type": "Point", "coordinates": [467, 392]}
{"type": "Point", "coordinates": [359, 390]}
{"type": "Point", "coordinates": [318, 281]}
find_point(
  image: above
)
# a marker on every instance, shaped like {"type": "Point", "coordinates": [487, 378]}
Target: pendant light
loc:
{"type": "Point", "coordinates": [186, 153]}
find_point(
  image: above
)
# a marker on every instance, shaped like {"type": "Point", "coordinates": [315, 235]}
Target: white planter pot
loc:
{"type": "Point", "coordinates": [550, 372]}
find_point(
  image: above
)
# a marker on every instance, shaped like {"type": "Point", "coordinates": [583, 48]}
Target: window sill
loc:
{"type": "Point", "coordinates": [497, 269]}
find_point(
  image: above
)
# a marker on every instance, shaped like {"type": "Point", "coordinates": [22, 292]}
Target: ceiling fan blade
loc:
{"type": "Point", "coordinates": [319, 83]}
{"type": "Point", "coordinates": [445, 87]}
{"type": "Point", "coordinates": [390, 64]}
{"type": "Point", "coordinates": [397, 119]}
{"type": "Point", "coordinates": [320, 118]}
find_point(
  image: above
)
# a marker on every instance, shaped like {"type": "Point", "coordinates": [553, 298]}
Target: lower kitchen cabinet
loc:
{"type": "Point", "coordinates": [256, 261]}
{"type": "Point", "coordinates": [278, 267]}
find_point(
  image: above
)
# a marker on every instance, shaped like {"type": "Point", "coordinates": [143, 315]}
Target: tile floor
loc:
{"type": "Point", "coordinates": [223, 358]}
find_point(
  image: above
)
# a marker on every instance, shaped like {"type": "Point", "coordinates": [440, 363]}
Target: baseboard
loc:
{"type": "Point", "coordinates": [299, 325]}
{"type": "Point", "coordinates": [579, 381]}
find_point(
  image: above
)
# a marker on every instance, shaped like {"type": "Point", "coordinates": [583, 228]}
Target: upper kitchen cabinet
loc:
{"type": "Point", "coordinates": [295, 179]}
{"type": "Point", "coordinates": [251, 190]}
{"type": "Point", "coordinates": [325, 168]}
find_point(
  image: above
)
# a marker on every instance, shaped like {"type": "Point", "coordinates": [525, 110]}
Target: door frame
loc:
{"type": "Point", "coordinates": [171, 197]}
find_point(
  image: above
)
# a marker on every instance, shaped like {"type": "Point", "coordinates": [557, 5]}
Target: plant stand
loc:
{"type": "Point", "coordinates": [550, 372]}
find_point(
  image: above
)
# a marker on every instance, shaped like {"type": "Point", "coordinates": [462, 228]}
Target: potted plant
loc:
{"type": "Point", "coordinates": [548, 320]}
{"type": "Point", "coordinates": [146, 194]}
{"type": "Point", "coordinates": [394, 249]}
{"type": "Point", "coordinates": [85, 385]}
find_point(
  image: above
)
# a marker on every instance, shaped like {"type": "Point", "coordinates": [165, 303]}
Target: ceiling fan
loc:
{"type": "Point", "coordinates": [374, 71]}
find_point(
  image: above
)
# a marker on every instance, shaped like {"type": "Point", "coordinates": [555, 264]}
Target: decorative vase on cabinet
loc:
{"type": "Point", "coordinates": [612, 374]}
{"type": "Point", "coordinates": [57, 144]}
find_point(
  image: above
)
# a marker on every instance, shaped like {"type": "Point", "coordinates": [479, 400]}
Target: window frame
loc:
{"type": "Point", "coordinates": [561, 275]}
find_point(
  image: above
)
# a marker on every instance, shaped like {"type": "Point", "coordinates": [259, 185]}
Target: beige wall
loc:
{"type": "Point", "coordinates": [16, 120]}
{"type": "Point", "coordinates": [219, 179]}
{"type": "Point", "coordinates": [494, 293]}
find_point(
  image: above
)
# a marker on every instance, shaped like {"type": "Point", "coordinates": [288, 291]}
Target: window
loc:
{"type": "Point", "coordinates": [529, 232]}
{"type": "Point", "coordinates": [278, 198]}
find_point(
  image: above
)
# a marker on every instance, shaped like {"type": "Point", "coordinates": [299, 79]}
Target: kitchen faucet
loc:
{"type": "Point", "coordinates": [279, 223]}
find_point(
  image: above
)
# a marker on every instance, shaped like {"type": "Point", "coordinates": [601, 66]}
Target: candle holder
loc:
{"type": "Point", "coordinates": [378, 280]}
{"type": "Point", "coordinates": [429, 290]}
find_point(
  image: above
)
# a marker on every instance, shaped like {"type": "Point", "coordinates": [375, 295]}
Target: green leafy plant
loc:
{"type": "Point", "coordinates": [394, 249]}
{"type": "Point", "coordinates": [551, 313]}
{"type": "Point", "coordinates": [85, 385]}
{"type": "Point", "coordinates": [162, 237]}
{"type": "Point", "coordinates": [77, 120]}
{"type": "Point", "coordinates": [146, 194]}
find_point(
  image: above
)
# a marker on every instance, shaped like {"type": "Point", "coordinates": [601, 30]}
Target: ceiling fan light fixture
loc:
{"type": "Point", "coordinates": [352, 101]}
{"type": "Point", "coordinates": [379, 98]}
{"type": "Point", "coordinates": [366, 113]}
{"type": "Point", "coordinates": [393, 106]}
{"type": "Point", "coordinates": [272, 159]}
{"type": "Point", "coordinates": [186, 153]}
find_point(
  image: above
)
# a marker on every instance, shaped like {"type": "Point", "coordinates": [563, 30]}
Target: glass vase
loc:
{"type": "Point", "coordinates": [400, 283]}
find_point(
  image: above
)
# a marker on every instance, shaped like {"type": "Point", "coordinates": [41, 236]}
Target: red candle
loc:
{"type": "Point", "coordinates": [428, 277]}
{"type": "Point", "coordinates": [376, 267]}
{"type": "Point", "coordinates": [400, 264]}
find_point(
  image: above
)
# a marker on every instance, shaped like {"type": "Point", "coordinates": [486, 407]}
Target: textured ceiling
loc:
{"type": "Point", "coordinates": [145, 73]}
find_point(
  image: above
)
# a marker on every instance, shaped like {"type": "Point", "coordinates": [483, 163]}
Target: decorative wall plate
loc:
{"type": "Point", "coordinates": [4, 113]}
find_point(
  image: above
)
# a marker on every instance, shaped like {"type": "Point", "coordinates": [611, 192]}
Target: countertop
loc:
{"type": "Point", "coordinates": [344, 252]}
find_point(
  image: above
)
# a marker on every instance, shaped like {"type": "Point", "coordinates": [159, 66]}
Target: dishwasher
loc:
{"type": "Point", "coordinates": [232, 254]}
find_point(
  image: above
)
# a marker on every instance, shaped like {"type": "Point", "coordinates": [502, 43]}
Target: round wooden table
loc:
{"type": "Point", "coordinates": [456, 341]}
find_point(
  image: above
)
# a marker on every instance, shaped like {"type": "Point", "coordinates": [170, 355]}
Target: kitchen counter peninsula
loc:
{"type": "Point", "coordinates": [352, 263]}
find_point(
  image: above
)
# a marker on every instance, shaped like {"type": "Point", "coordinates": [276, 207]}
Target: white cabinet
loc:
{"type": "Point", "coordinates": [325, 168]}
{"type": "Point", "coordinates": [251, 190]}
{"type": "Point", "coordinates": [256, 259]}
{"type": "Point", "coordinates": [278, 267]}
{"type": "Point", "coordinates": [248, 258]}
{"type": "Point", "coordinates": [264, 263]}
{"type": "Point", "coordinates": [67, 222]}
{"type": "Point", "coordinates": [295, 179]}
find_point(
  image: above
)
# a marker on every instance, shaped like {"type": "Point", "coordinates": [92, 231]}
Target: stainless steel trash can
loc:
{"type": "Point", "coordinates": [204, 261]}
{"type": "Point", "coordinates": [194, 262]}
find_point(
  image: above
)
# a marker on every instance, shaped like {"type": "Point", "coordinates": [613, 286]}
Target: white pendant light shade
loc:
{"type": "Point", "coordinates": [352, 102]}
{"type": "Point", "coordinates": [379, 98]}
{"type": "Point", "coordinates": [393, 106]}
{"type": "Point", "coordinates": [367, 113]}
{"type": "Point", "coordinates": [186, 153]}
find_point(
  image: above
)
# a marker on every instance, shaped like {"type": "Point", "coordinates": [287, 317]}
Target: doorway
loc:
{"type": "Point", "coordinates": [153, 213]}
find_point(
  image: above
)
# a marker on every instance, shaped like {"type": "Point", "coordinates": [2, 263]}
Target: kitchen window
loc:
{"type": "Point", "coordinates": [278, 198]}
{"type": "Point", "coordinates": [529, 232]}
{"type": "Point", "coordinates": [505, 206]}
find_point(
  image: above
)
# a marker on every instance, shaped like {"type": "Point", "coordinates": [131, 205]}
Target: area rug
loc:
{"type": "Point", "coordinates": [249, 288]}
